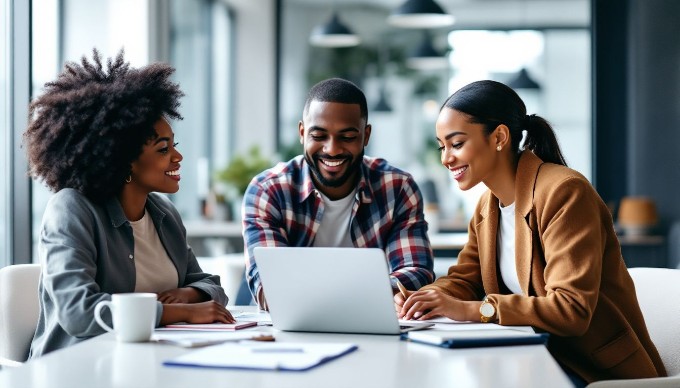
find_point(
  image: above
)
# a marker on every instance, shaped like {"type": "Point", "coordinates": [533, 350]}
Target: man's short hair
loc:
{"type": "Point", "coordinates": [337, 90]}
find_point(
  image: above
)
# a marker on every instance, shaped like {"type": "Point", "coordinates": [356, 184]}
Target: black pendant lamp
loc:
{"type": "Point", "coordinates": [333, 34]}
{"type": "Point", "coordinates": [382, 105]}
{"type": "Point", "coordinates": [523, 81]}
{"type": "Point", "coordinates": [425, 56]}
{"type": "Point", "coordinates": [420, 14]}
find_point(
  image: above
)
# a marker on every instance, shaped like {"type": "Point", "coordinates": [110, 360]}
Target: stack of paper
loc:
{"type": "Point", "coordinates": [194, 339]}
{"type": "Point", "coordinates": [261, 317]}
{"type": "Point", "coordinates": [264, 356]}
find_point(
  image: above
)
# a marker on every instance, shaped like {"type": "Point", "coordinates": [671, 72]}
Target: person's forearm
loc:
{"type": "Point", "coordinates": [471, 309]}
{"type": "Point", "coordinates": [173, 313]}
{"type": "Point", "coordinates": [197, 295]}
{"type": "Point", "coordinates": [261, 301]}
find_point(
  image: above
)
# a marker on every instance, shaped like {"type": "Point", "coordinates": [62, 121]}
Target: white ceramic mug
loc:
{"type": "Point", "coordinates": [134, 316]}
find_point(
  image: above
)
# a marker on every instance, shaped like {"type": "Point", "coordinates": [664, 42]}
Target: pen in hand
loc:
{"type": "Point", "coordinates": [402, 289]}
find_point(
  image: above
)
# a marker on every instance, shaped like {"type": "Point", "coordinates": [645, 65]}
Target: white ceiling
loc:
{"type": "Point", "coordinates": [484, 13]}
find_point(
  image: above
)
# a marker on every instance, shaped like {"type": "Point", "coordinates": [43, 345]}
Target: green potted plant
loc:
{"type": "Point", "coordinates": [239, 172]}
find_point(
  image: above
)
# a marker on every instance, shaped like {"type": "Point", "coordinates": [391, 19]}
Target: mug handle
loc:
{"type": "Point", "coordinates": [97, 314]}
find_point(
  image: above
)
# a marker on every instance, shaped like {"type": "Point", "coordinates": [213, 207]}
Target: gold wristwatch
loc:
{"type": "Point", "coordinates": [487, 310]}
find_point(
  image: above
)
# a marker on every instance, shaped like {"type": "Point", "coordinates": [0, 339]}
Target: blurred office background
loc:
{"type": "Point", "coordinates": [606, 73]}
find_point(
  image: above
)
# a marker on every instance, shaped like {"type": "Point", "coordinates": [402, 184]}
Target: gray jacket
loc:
{"type": "Point", "coordinates": [86, 251]}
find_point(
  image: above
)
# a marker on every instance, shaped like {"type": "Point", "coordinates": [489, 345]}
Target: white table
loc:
{"type": "Point", "coordinates": [380, 361]}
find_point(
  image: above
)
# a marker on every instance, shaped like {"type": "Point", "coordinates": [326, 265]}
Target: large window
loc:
{"type": "Point", "coordinates": [193, 36]}
{"type": "Point", "coordinates": [487, 42]}
{"type": "Point", "coordinates": [558, 60]}
{"type": "Point", "coordinates": [5, 139]}
{"type": "Point", "coordinates": [200, 47]}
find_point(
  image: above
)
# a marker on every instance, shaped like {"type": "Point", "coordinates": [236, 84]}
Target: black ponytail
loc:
{"type": "Point", "coordinates": [541, 140]}
{"type": "Point", "coordinates": [492, 103]}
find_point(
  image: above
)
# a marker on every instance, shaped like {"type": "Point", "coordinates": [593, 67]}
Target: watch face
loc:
{"type": "Point", "coordinates": [487, 310]}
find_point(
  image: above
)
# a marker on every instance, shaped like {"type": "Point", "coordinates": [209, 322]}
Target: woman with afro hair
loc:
{"type": "Point", "coordinates": [99, 137]}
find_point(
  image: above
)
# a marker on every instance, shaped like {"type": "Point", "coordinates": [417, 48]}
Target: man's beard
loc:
{"type": "Point", "coordinates": [335, 182]}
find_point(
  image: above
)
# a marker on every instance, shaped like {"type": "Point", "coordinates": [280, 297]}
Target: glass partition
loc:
{"type": "Point", "coordinates": [5, 134]}
{"type": "Point", "coordinates": [405, 93]}
{"type": "Point", "coordinates": [193, 36]}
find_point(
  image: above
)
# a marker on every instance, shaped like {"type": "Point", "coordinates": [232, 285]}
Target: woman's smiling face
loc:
{"type": "Point", "coordinates": [157, 168]}
{"type": "Point", "coordinates": [465, 149]}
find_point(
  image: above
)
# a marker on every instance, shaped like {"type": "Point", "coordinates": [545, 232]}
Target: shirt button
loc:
{"type": "Point", "coordinates": [131, 257]}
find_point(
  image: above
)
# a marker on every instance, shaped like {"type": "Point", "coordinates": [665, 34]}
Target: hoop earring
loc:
{"type": "Point", "coordinates": [128, 179]}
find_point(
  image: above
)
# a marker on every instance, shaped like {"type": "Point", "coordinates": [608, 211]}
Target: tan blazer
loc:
{"type": "Point", "coordinates": [574, 282]}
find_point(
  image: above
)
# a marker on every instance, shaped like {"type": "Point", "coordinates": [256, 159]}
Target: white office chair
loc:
{"type": "Point", "coordinates": [658, 291]}
{"type": "Point", "coordinates": [19, 309]}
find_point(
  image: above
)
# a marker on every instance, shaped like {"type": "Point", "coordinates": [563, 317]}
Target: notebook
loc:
{"type": "Point", "coordinates": [209, 326]}
{"type": "Point", "coordinates": [336, 290]}
{"type": "Point", "coordinates": [476, 338]}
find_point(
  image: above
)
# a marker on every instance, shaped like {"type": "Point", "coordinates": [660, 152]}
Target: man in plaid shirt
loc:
{"type": "Point", "coordinates": [334, 196]}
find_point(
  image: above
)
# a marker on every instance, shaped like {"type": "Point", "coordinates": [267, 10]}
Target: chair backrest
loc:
{"type": "Point", "coordinates": [19, 309]}
{"type": "Point", "coordinates": [658, 292]}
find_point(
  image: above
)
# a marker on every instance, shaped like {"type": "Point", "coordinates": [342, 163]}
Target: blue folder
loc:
{"type": "Point", "coordinates": [476, 338]}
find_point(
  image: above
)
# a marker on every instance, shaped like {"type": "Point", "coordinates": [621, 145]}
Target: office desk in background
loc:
{"type": "Point", "coordinates": [224, 242]}
{"type": "Point", "coordinates": [210, 238]}
{"type": "Point", "coordinates": [644, 251]}
{"type": "Point", "coordinates": [199, 232]}
{"type": "Point", "coordinates": [214, 238]}
{"type": "Point", "coordinates": [445, 244]}
{"type": "Point", "coordinates": [380, 361]}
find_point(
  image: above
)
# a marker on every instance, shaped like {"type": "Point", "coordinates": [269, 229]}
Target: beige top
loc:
{"type": "Point", "coordinates": [154, 269]}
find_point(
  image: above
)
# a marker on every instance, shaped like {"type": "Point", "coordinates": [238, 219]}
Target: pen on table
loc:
{"type": "Point", "coordinates": [277, 350]}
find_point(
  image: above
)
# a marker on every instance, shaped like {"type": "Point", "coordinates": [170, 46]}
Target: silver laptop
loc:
{"type": "Point", "coordinates": [336, 290]}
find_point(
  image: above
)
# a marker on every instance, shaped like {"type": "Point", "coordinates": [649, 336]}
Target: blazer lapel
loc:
{"type": "Point", "coordinates": [487, 231]}
{"type": "Point", "coordinates": [527, 171]}
{"type": "Point", "coordinates": [523, 253]}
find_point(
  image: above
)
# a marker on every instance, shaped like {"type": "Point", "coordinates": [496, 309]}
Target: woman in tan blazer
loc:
{"type": "Point", "coordinates": [542, 250]}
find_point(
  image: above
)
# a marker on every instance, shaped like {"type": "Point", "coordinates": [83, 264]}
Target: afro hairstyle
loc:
{"type": "Point", "coordinates": [92, 122]}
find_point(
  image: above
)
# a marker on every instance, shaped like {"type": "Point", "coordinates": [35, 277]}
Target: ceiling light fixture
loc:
{"type": "Point", "coordinates": [420, 14]}
{"type": "Point", "coordinates": [382, 105]}
{"type": "Point", "coordinates": [523, 81]}
{"type": "Point", "coordinates": [333, 34]}
{"type": "Point", "coordinates": [426, 57]}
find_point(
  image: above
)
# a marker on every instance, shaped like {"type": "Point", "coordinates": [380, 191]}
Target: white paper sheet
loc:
{"type": "Point", "coordinates": [263, 355]}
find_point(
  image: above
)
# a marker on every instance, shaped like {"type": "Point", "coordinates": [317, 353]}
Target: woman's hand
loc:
{"type": "Point", "coordinates": [204, 312]}
{"type": "Point", "coordinates": [181, 295]}
{"type": "Point", "coordinates": [429, 304]}
{"type": "Point", "coordinates": [399, 300]}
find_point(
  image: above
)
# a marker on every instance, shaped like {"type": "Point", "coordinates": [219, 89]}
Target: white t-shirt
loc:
{"type": "Point", "coordinates": [334, 229]}
{"type": "Point", "coordinates": [155, 271]}
{"type": "Point", "coordinates": [506, 248]}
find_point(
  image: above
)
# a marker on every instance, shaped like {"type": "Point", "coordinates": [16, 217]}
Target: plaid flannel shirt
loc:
{"type": "Point", "coordinates": [281, 207]}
